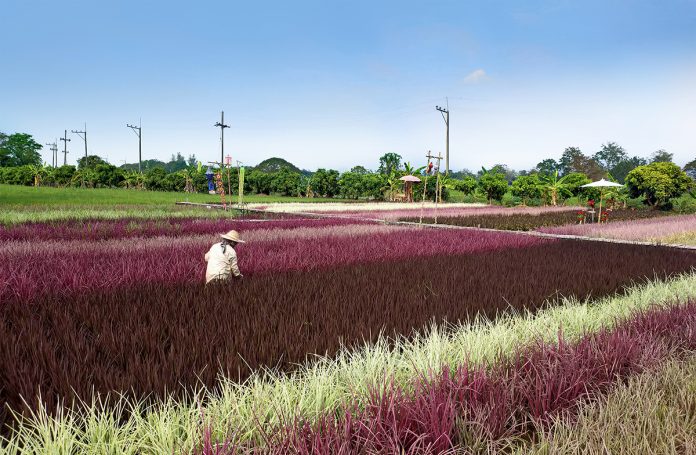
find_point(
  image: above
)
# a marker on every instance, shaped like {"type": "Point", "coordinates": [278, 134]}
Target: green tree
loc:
{"type": "Point", "coordinates": [661, 156]}
{"type": "Point", "coordinates": [90, 162]}
{"type": "Point", "coordinates": [389, 162]}
{"type": "Point", "coordinates": [260, 182]}
{"type": "Point", "coordinates": [573, 183]}
{"type": "Point", "coordinates": [154, 179]}
{"type": "Point", "coordinates": [325, 182]}
{"type": "Point", "coordinates": [621, 170]}
{"type": "Point", "coordinates": [108, 175]}
{"type": "Point", "coordinates": [466, 185]}
{"type": "Point", "coordinates": [610, 155]}
{"type": "Point", "coordinates": [19, 149]}
{"type": "Point", "coordinates": [286, 182]}
{"type": "Point", "coordinates": [352, 185]}
{"type": "Point", "coordinates": [493, 184]}
{"type": "Point", "coordinates": [359, 170]}
{"type": "Point", "coordinates": [547, 167]}
{"type": "Point", "coordinates": [658, 182]}
{"type": "Point", "coordinates": [569, 156]}
{"type": "Point", "coordinates": [527, 187]}
{"type": "Point", "coordinates": [690, 169]}
{"type": "Point", "coordinates": [63, 175]}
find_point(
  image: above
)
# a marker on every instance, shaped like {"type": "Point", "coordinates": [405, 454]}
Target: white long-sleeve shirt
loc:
{"type": "Point", "coordinates": [221, 265]}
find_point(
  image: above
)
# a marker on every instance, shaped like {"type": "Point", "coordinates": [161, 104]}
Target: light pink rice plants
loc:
{"type": "Point", "coordinates": [651, 229]}
{"type": "Point", "coordinates": [445, 211]}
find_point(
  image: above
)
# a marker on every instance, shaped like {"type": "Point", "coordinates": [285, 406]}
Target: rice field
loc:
{"type": "Point", "coordinates": [345, 335]}
{"type": "Point", "coordinates": [673, 230]}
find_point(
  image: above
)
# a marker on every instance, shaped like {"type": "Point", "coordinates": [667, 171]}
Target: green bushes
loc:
{"type": "Point", "coordinates": [657, 183]}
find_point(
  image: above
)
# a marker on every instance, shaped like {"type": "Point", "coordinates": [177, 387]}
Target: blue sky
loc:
{"type": "Point", "coordinates": [339, 83]}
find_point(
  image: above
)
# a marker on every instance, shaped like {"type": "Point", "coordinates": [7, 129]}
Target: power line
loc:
{"type": "Point", "coordinates": [445, 116]}
{"type": "Point", "coordinates": [65, 147]}
{"type": "Point", "coordinates": [222, 126]}
{"type": "Point", "coordinates": [84, 138]}
{"type": "Point", "coordinates": [138, 131]}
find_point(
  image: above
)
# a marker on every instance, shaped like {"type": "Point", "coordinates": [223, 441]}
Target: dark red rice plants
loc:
{"type": "Point", "coordinates": [154, 339]}
{"type": "Point", "coordinates": [528, 222]}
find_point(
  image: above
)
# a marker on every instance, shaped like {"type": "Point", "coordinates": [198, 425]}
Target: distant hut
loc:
{"type": "Point", "coordinates": [409, 180]}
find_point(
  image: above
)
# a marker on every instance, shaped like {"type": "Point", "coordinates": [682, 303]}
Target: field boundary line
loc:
{"type": "Point", "coordinates": [449, 226]}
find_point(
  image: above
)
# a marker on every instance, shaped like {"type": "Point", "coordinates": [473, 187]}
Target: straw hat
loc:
{"type": "Point", "coordinates": [233, 236]}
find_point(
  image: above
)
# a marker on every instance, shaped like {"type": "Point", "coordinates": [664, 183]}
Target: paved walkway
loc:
{"type": "Point", "coordinates": [448, 226]}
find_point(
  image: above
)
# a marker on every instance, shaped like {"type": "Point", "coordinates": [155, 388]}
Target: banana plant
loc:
{"type": "Point", "coordinates": [555, 187]}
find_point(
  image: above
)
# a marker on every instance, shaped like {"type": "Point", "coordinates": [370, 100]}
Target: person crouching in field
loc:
{"type": "Point", "coordinates": [222, 259]}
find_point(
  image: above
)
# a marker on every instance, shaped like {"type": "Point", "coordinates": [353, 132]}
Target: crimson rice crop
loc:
{"type": "Point", "coordinates": [480, 408]}
{"type": "Point", "coordinates": [30, 270]}
{"type": "Point", "coordinates": [524, 221]}
{"type": "Point", "coordinates": [645, 230]}
{"type": "Point", "coordinates": [152, 339]}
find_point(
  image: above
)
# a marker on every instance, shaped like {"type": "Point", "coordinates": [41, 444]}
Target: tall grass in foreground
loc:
{"type": "Point", "coordinates": [475, 409]}
{"type": "Point", "coordinates": [266, 401]}
{"type": "Point", "coordinates": [655, 413]}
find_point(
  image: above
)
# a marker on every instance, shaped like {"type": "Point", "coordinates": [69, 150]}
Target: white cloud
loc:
{"type": "Point", "coordinates": [475, 76]}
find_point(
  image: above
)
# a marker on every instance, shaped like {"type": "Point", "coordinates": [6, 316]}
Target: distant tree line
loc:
{"type": "Point", "coordinates": [654, 181]}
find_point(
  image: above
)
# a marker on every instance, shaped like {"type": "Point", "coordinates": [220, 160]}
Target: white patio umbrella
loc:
{"type": "Point", "coordinates": [601, 184]}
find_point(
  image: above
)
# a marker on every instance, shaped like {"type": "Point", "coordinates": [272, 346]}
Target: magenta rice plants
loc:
{"type": "Point", "coordinates": [506, 401]}
{"type": "Point", "coordinates": [29, 270]}
{"type": "Point", "coordinates": [170, 227]}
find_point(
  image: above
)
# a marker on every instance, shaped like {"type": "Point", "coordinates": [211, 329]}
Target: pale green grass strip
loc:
{"type": "Point", "coordinates": [654, 413]}
{"type": "Point", "coordinates": [263, 402]}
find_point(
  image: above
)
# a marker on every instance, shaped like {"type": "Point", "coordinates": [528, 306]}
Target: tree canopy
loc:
{"type": "Point", "coordinates": [19, 149]}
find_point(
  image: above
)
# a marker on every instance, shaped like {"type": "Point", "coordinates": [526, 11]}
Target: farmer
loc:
{"type": "Point", "coordinates": [222, 259]}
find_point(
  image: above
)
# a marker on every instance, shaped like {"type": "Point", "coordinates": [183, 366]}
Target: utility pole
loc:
{"type": "Point", "coordinates": [438, 186]}
{"type": "Point", "coordinates": [445, 116]}
{"type": "Point", "coordinates": [65, 147]}
{"type": "Point", "coordinates": [84, 138]}
{"type": "Point", "coordinates": [54, 154]}
{"type": "Point", "coordinates": [138, 130]}
{"type": "Point", "coordinates": [222, 126]}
